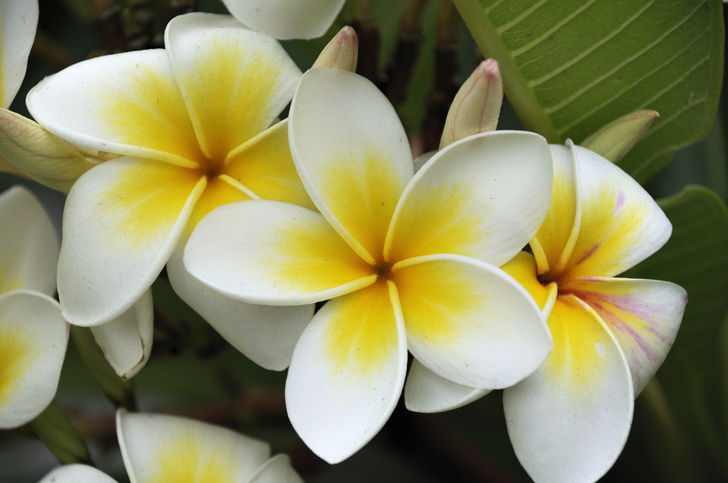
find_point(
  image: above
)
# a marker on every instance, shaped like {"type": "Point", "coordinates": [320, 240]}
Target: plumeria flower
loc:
{"type": "Point", "coordinates": [157, 447]}
{"type": "Point", "coordinates": [610, 334]}
{"type": "Point", "coordinates": [33, 335]}
{"type": "Point", "coordinates": [286, 19]}
{"type": "Point", "coordinates": [408, 261]}
{"type": "Point", "coordinates": [194, 126]}
{"type": "Point", "coordinates": [18, 23]}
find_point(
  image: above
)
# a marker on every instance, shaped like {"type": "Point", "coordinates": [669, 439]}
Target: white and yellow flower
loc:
{"type": "Point", "coordinates": [286, 19]}
{"type": "Point", "coordinates": [570, 419]}
{"type": "Point", "coordinates": [410, 261]}
{"type": "Point", "coordinates": [33, 335]}
{"type": "Point", "coordinates": [194, 127]}
{"type": "Point", "coordinates": [157, 447]}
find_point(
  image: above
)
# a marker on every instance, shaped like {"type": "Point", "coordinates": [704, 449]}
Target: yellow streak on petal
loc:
{"type": "Point", "coordinates": [181, 459]}
{"type": "Point", "coordinates": [217, 193]}
{"type": "Point", "coordinates": [312, 258]}
{"type": "Point", "coordinates": [231, 92]}
{"type": "Point", "coordinates": [363, 331]}
{"type": "Point", "coordinates": [146, 199]}
{"type": "Point", "coordinates": [523, 268]}
{"type": "Point", "coordinates": [9, 281]}
{"type": "Point", "coordinates": [265, 166]}
{"type": "Point", "coordinates": [438, 220]}
{"type": "Point", "coordinates": [363, 199]}
{"type": "Point", "coordinates": [582, 347]}
{"type": "Point", "coordinates": [16, 359]}
{"type": "Point", "coordinates": [151, 113]}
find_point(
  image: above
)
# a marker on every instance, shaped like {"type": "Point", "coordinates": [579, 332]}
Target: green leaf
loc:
{"type": "Point", "coordinates": [572, 66]}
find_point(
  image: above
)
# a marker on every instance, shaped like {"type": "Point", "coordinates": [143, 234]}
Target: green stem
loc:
{"type": "Point", "coordinates": [60, 436]}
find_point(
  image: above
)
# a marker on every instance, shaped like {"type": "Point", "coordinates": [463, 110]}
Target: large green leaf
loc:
{"type": "Point", "coordinates": [572, 66]}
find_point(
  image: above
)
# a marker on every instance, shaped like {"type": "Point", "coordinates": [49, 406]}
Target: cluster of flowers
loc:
{"type": "Point", "coordinates": [176, 157]}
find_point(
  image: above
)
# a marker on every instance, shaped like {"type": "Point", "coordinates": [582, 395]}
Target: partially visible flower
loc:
{"type": "Point", "coordinates": [410, 262]}
{"type": "Point", "coordinates": [160, 448]}
{"type": "Point", "coordinates": [570, 419]}
{"type": "Point", "coordinates": [33, 335]}
{"type": "Point", "coordinates": [194, 127]}
{"type": "Point", "coordinates": [286, 19]}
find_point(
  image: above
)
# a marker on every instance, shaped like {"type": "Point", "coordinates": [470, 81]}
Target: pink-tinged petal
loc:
{"type": "Point", "coordinates": [278, 469]}
{"type": "Point", "coordinates": [621, 224]}
{"type": "Point", "coordinates": [121, 222]}
{"type": "Point", "coordinates": [303, 19]}
{"type": "Point", "coordinates": [273, 253]}
{"type": "Point", "coordinates": [38, 154]}
{"type": "Point", "coordinates": [426, 392]}
{"type": "Point", "coordinates": [555, 239]}
{"type": "Point", "coordinates": [644, 316]}
{"type": "Point", "coordinates": [18, 22]}
{"type": "Point", "coordinates": [76, 474]}
{"type": "Point", "coordinates": [570, 419]}
{"type": "Point", "coordinates": [29, 242]}
{"type": "Point", "coordinates": [482, 197]}
{"type": "Point", "coordinates": [470, 322]}
{"type": "Point", "coordinates": [127, 340]}
{"type": "Point", "coordinates": [265, 334]}
{"type": "Point", "coordinates": [234, 81]}
{"type": "Point", "coordinates": [126, 104]}
{"type": "Point", "coordinates": [477, 104]}
{"type": "Point", "coordinates": [157, 447]}
{"type": "Point", "coordinates": [352, 155]}
{"type": "Point", "coordinates": [264, 165]}
{"type": "Point", "coordinates": [33, 339]}
{"type": "Point", "coordinates": [347, 372]}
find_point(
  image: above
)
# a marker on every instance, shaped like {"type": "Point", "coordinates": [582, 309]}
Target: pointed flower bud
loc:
{"type": "Point", "coordinates": [477, 104]}
{"type": "Point", "coordinates": [342, 52]}
{"type": "Point", "coordinates": [615, 139]}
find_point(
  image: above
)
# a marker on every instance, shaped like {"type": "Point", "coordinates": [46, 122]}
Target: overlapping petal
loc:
{"type": "Point", "coordinates": [644, 316]}
{"type": "Point", "coordinates": [275, 253]}
{"type": "Point", "coordinates": [133, 209]}
{"type": "Point", "coordinates": [483, 197]}
{"type": "Point", "coordinates": [127, 340]}
{"type": "Point", "coordinates": [469, 322]}
{"type": "Point", "coordinates": [18, 22]}
{"type": "Point", "coordinates": [621, 224]}
{"type": "Point", "coordinates": [278, 469]}
{"type": "Point", "coordinates": [265, 334]}
{"type": "Point", "coordinates": [347, 371]}
{"type": "Point", "coordinates": [29, 244]}
{"type": "Point", "coordinates": [426, 392]}
{"type": "Point", "coordinates": [127, 104]}
{"type": "Point", "coordinates": [234, 81]}
{"type": "Point", "coordinates": [352, 155]}
{"type": "Point", "coordinates": [33, 339]}
{"type": "Point", "coordinates": [569, 420]}
{"type": "Point", "coordinates": [285, 19]}
{"type": "Point", "coordinates": [156, 447]}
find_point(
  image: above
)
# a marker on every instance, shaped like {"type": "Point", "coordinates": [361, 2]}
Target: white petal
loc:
{"type": "Point", "coordinates": [18, 22]}
{"type": "Point", "coordinates": [484, 197]}
{"type": "Point", "coordinates": [76, 474]}
{"type": "Point", "coordinates": [157, 447]}
{"type": "Point", "coordinates": [470, 322]}
{"type": "Point", "coordinates": [352, 154]}
{"type": "Point", "coordinates": [300, 19]}
{"type": "Point", "coordinates": [277, 470]}
{"type": "Point", "coordinates": [234, 81]}
{"type": "Point", "coordinates": [121, 222]}
{"type": "Point", "coordinates": [347, 372]}
{"type": "Point", "coordinates": [273, 253]}
{"type": "Point", "coordinates": [265, 334]}
{"type": "Point", "coordinates": [33, 339]}
{"type": "Point", "coordinates": [29, 244]}
{"type": "Point", "coordinates": [426, 392]}
{"type": "Point", "coordinates": [127, 340]}
{"type": "Point", "coordinates": [570, 419]}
